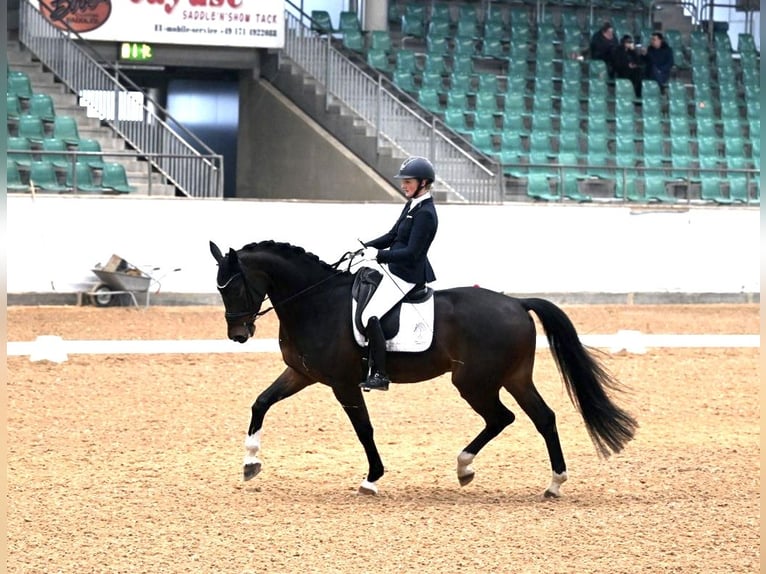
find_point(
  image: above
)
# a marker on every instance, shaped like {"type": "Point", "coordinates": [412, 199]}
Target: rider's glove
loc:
{"type": "Point", "coordinates": [369, 254]}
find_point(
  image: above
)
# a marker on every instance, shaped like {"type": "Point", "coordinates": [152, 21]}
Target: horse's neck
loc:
{"type": "Point", "coordinates": [292, 280]}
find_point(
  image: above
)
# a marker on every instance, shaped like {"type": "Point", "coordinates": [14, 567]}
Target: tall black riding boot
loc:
{"type": "Point", "coordinates": [377, 379]}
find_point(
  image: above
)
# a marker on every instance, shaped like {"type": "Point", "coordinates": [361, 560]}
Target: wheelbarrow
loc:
{"type": "Point", "coordinates": [118, 277]}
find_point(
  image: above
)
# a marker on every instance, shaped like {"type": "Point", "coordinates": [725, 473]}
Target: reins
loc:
{"type": "Point", "coordinates": [347, 255]}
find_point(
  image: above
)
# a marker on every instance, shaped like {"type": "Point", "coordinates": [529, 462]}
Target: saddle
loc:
{"type": "Point", "coordinates": [407, 326]}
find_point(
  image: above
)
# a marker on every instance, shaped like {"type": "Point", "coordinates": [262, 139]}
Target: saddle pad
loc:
{"type": "Point", "coordinates": [415, 328]}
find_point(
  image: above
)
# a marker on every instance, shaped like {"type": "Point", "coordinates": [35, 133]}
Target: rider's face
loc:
{"type": "Point", "coordinates": [410, 187]}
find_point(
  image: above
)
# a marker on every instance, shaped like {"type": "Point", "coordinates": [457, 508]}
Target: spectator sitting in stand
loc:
{"type": "Point", "coordinates": [627, 63]}
{"type": "Point", "coordinates": [602, 46]}
{"type": "Point", "coordinates": [658, 58]}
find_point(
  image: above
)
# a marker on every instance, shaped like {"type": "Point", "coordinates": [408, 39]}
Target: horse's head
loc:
{"type": "Point", "coordinates": [242, 298]}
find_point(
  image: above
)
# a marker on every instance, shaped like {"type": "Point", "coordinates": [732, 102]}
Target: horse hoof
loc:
{"type": "Point", "coordinates": [368, 488]}
{"type": "Point", "coordinates": [466, 479]}
{"type": "Point", "coordinates": [251, 470]}
{"type": "Point", "coordinates": [551, 494]}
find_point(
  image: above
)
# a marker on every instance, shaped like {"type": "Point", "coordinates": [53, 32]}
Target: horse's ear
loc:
{"type": "Point", "coordinates": [232, 254]}
{"type": "Point", "coordinates": [216, 252]}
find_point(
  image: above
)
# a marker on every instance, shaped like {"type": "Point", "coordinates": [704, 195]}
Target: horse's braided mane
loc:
{"type": "Point", "coordinates": [288, 249]}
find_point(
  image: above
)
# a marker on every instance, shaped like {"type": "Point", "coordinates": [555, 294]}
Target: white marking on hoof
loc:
{"type": "Point", "coordinates": [253, 442]}
{"type": "Point", "coordinates": [465, 472]}
{"type": "Point", "coordinates": [369, 488]}
{"type": "Point", "coordinates": [556, 481]}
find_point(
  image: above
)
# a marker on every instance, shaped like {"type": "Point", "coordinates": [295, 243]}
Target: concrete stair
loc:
{"type": "Point", "coordinates": [65, 102]}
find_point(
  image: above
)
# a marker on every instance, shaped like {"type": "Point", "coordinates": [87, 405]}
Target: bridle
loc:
{"type": "Point", "coordinates": [251, 315]}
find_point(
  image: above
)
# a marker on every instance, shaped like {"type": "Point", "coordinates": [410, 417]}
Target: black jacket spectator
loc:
{"type": "Point", "coordinates": [602, 46]}
{"type": "Point", "coordinates": [659, 60]}
{"type": "Point", "coordinates": [627, 63]}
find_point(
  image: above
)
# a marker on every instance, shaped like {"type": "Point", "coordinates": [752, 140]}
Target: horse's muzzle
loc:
{"type": "Point", "coordinates": [241, 332]}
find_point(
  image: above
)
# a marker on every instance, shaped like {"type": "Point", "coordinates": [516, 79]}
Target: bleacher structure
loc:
{"type": "Point", "coordinates": [46, 152]}
{"type": "Point", "coordinates": [512, 85]}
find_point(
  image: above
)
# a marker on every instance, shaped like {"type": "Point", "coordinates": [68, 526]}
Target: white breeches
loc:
{"type": "Point", "coordinates": [391, 290]}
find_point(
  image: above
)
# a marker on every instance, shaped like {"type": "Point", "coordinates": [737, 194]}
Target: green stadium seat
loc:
{"type": "Point", "coordinates": [13, 180]}
{"type": "Point", "coordinates": [31, 127]}
{"type": "Point", "coordinates": [464, 45]}
{"type": "Point", "coordinates": [41, 105]}
{"type": "Point", "coordinates": [378, 59]}
{"type": "Point", "coordinates": [405, 60]}
{"type": "Point", "coordinates": [492, 48]}
{"type": "Point", "coordinates": [437, 45]}
{"type": "Point", "coordinates": [65, 128]}
{"type": "Point", "coordinates": [434, 62]}
{"type": "Point", "coordinates": [457, 100]}
{"type": "Point", "coordinates": [456, 120]}
{"type": "Point", "coordinates": [510, 141]}
{"type": "Point", "coordinates": [485, 120]}
{"type": "Point", "coordinates": [483, 140]}
{"type": "Point", "coordinates": [569, 142]}
{"type": "Point", "coordinates": [441, 11]}
{"type": "Point", "coordinates": [321, 22]}
{"type": "Point", "coordinates": [405, 81]}
{"type": "Point", "coordinates": [412, 23]}
{"type": "Point", "coordinates": [598, 165]}
{"type": "Point", "coordinates": [115, 178]}
{"type": "Point", "coordinates": [353, 40]}
{"type": "Point", "coordinates": [13, 107]}
{"type": "Point", "coordinates": [463, 63]}
{"type": "Point", "coordinates": [487, 101]}
{"type": "Point", "coordinates": [19, 84]}
{"type": "Point", "coordinates": [20, 150]}
{"type": "Point", "coordinates": [539, 187]}
{"type": "Point", "coordinates": [349, 21]}
{"type": "Point", "coordinates": [43, 177]}
{"type": "Point", "coordinates": [494, 28]}
{"type": "Point", "coordinates": [92, 148]}
{"type": "Point", "coordinates": [468, 28]}
{"type": "Point", "coordinates": [711, 189]}
{"type": "Point", "coordinates": [57, 153]}
{"type": "Point", "coordinates": [429, 99]}
{"type": "Point", "coordinates": [746, 43]}
{"type": "Point", "coordinates": [80, 179]}
{"type": "Point", "coordinates": [459, 82]}
{"type": "Point", "coordinates": [625, 185]}
{"type": "Point", "coordinates": [381, 40]}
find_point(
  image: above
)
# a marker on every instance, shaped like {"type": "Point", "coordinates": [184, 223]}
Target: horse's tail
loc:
{"type": "Point", "coordinates": [586, 380]}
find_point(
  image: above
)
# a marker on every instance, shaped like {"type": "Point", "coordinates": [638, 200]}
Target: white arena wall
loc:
{"type": "Point", "coordinates": [578, 252]}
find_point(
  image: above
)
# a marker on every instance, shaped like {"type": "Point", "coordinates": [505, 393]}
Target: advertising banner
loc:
{"type": "Point", "coordinates": [236, 23]}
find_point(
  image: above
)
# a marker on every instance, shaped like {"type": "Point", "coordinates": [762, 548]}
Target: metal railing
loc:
{"type": "Point", "coordinates": [395, 118]}
{"type": "Point", "coordinates": [172, 150]}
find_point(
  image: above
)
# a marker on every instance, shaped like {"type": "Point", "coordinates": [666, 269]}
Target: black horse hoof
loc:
{"type": "Point", "coordinates": [466, 479]}
{"type": "Point", "coordinates": [251, 470]}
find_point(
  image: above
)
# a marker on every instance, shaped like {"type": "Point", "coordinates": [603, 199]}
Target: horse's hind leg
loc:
{"type": "Point", "coordinates": [486, 402]}
{"type": "Point", "coordinates": [286, 385]}
{"type": "Point", "coordinates": [544, 419]}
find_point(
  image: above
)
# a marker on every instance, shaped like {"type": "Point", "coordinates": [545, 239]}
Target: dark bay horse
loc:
{"type": "Point", "coordinates": [484, 338]}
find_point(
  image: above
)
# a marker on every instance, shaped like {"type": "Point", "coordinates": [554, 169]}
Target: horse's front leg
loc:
{"type": "Point", "coordinates": [351, 399]}
{"type": "Point", "coordinates": [286, 385]}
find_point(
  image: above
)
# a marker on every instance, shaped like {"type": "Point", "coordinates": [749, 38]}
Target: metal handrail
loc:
{"type": "Point", "coordinates": [395, 118]}
{"type": "Point", "coordinates": [172, 150]}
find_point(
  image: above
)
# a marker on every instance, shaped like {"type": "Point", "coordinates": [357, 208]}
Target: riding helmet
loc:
{"type": "Point", "coordinates": [416, 167]}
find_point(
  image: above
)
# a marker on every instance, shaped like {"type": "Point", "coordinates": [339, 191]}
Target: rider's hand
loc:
{"type": "Point", "coordinates": [369, 253]}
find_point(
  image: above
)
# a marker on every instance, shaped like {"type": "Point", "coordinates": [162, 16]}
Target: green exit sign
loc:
{"type": "Point", "coordinates": [135, 52]}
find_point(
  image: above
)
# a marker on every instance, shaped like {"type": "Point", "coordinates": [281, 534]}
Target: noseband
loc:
{"type": "Point", "coordinates": [252, 315]}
